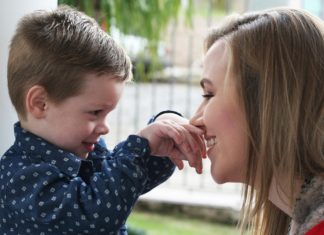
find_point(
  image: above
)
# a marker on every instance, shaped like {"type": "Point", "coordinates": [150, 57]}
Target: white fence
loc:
{"type": "Point", "coordinates": [138, 103]}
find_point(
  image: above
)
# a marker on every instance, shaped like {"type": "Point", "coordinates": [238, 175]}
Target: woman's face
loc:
{"type": "Point", "coordinates": [222, 116]}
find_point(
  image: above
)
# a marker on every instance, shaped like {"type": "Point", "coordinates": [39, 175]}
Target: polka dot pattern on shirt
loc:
{"type": "Point", "coordinates": [48, 191]}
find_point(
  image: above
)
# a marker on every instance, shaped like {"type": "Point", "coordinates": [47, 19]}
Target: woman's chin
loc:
{"type": "Point", "coordinates": [219, 178]}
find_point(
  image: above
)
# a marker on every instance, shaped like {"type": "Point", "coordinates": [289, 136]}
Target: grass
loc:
{"type": "Point", "coordinates": [156, 224]}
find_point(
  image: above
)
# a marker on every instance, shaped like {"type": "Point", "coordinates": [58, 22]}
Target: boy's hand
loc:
{"type": "Point", "coordinates": [173, 136]}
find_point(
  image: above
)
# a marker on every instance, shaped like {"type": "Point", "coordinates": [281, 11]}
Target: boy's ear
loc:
{"type": "Point", "coordinates": [36, 101]}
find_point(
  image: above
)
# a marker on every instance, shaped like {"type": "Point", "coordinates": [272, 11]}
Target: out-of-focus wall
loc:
{"type": "Point", "coordinates": [10, 12]}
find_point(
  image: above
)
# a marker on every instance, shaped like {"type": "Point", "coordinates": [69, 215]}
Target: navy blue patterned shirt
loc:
{"type": "Point", "coordinates": [48, 191]}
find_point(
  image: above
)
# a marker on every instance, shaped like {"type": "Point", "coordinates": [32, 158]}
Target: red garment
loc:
{"type": "Point", "coordinates": [317, 229]}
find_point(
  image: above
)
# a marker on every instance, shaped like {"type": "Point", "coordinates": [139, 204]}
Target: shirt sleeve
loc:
{"type": "Point", "coordinates": [42, 195]}
{"type": "Point", "coordinates": [157, 169]}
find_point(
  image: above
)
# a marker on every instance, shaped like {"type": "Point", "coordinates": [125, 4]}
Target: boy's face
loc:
{"type": "Point", "coordinates": [77, 123]}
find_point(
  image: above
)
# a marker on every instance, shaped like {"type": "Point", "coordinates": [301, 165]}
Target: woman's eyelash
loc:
{"type": "Point", "coordinates": [207, 96]}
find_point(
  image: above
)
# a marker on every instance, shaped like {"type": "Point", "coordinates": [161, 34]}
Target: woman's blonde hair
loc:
{"type": "Point", "coordinates": [278, 56]}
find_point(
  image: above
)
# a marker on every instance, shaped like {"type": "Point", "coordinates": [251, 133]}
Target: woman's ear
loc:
{"type": "Point", "coordinates": [36, 101]}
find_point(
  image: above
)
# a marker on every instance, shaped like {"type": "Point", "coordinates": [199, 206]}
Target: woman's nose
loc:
{"type": "Point", "coordinates": [197, 118]}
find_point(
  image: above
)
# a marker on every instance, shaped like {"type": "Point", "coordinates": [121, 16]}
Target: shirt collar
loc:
{"type": "Point", "coordinates": [39, 150]}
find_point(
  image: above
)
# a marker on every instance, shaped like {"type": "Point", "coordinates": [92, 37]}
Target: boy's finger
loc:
{"type": "Point", "coordinates": [199, 165]}
{"type": "Point", "coordinates": [169, 131]}
{"type": "Point", "coordinates": [186, 144]}
{"type": "Point", "coordinates": [198, 143]}
{"type": "Point", "coordinates": [193, 129]}
{"type": "Point", "coordinates": [202, 146]}
{"type": "Point", "coordinates": [178, 163]}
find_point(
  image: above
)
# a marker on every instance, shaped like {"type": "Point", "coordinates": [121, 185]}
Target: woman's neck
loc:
{"type": "Point", "coordinates": [280, 193]}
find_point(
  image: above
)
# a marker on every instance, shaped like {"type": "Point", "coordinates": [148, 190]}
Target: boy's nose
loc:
{"type": "Point", "coordinates": [102, 128]}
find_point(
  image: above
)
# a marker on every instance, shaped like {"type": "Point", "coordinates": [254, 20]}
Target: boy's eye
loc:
{"type": "Point", "coordinates": [95, 112]}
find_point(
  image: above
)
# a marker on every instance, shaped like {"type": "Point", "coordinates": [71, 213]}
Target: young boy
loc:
{"type": "Point", "coordinates": [64, 77]}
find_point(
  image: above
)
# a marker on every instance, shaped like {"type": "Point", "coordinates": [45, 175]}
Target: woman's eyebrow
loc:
{"type": "Point", "coordinates": [205, 81]}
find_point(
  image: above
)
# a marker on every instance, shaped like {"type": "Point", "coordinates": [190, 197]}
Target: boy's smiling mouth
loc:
{"type": "Point", "coordinates": [89, 146]}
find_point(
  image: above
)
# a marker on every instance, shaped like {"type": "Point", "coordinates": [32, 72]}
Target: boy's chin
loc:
{"type": "Point", "coordinates": [83, 155]}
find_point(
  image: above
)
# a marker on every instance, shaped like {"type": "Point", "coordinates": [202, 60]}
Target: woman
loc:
{"type": "Point", "coordinates": [263, 117]}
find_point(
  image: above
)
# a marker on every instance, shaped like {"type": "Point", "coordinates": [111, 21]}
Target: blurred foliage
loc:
{"type": "Point", "coordinates": [135, 231]}
{"type": "Point", "coordinates": [143, 18]}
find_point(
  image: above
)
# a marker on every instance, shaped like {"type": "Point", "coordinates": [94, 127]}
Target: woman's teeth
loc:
{"type": "Point", "coordinates": [211, 142]}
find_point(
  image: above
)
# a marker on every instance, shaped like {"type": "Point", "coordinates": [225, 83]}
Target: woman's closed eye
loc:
{"type": "Point", "coordinates": [208, 95]}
